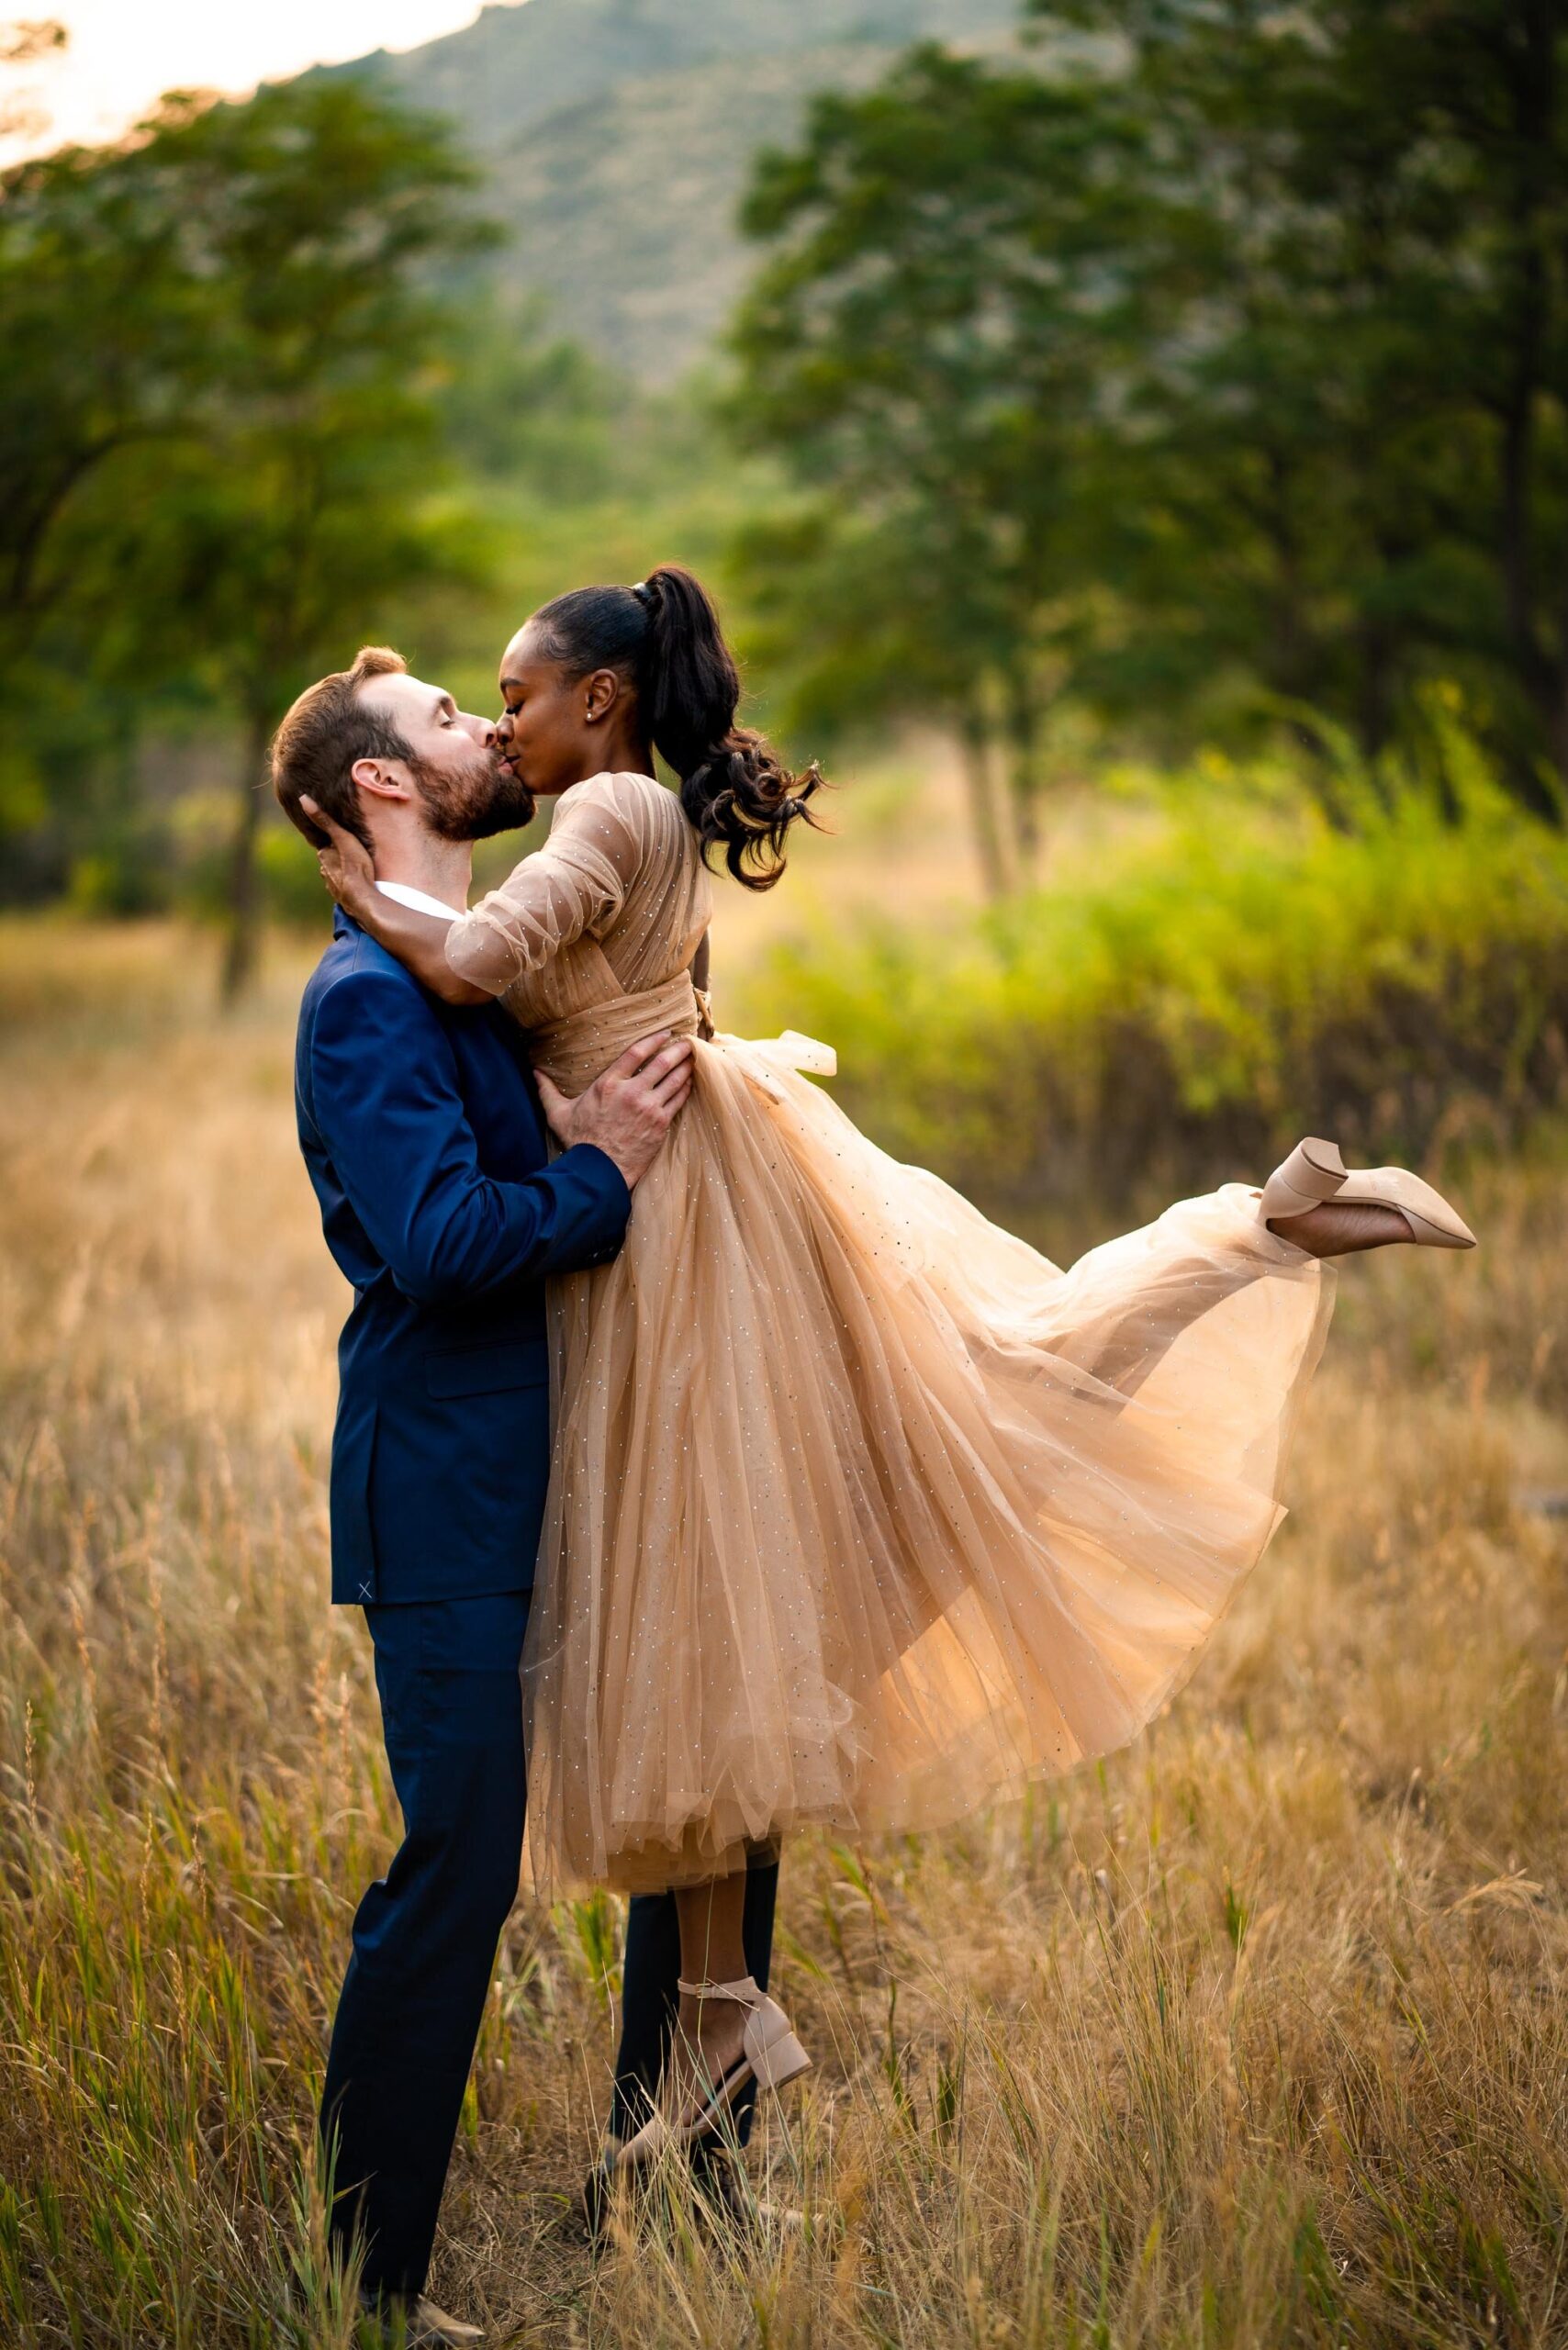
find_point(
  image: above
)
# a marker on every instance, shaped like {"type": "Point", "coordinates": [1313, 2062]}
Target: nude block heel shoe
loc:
{"type": "Point", "coordinates": [770, 2055]}
{"type": "Point", "coordinates": [1315, 1173]}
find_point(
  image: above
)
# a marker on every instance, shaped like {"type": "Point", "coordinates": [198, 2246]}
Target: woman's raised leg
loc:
{"type": "Point", "coordinates": [1342, 1227]}
{"type": "Point", "coordinates": [1311, 1200]}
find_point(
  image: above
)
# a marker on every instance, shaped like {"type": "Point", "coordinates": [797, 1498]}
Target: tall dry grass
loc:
{"type": "Point", "coordinates": [1258, 2035]}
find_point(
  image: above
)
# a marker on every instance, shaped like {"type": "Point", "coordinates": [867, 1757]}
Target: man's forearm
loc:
{"type": "Point", "coordinates": [569, 1217]}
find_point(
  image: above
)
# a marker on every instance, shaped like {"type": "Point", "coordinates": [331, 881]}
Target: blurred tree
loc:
{"type": "Point", "coordinates": [105, 357]}
{"type": "Point", "coordinates": [959, 255]}
{"type": "Point", "coordinates": [315, 212]}
{"type": "Point", "coordinates": [1380, 377]}
{"type": "Point", "coordinates": [866, 619]}
{"type": "Point", "coordinates": [1231, 346]}
{"type": "Point", "coordinates": [525, 405]}
{"type": "Point", "coordinates": [103, 349]}
{"type": "Point", "coordinates": [265, 291]}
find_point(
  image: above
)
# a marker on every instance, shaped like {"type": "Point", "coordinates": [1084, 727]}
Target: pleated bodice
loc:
{"type": "Point", "coordinates": [589, 942]}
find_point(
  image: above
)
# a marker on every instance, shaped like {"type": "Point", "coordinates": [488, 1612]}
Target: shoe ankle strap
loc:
{"type": "Point", "coordinates": [743, 1990]}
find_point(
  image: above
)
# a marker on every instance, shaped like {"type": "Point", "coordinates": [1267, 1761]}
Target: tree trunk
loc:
{"type": "Point", "coordinates": [974, 737]}
{"type": "Point", "coordinates": [1374, 701]}
{"type": "Point", "coordinates": [1534, 101]}
{"type": "Point", "coordinates": [1557, 726]}
{"type": "Point", "coordinates": [1517, 486]}
{"type": "Point", "coordinates": [1293, 661]}
{"type": "Point", "coordinates": [242, 947]}
{"type": "Point", "coordinates": [1023, 768]}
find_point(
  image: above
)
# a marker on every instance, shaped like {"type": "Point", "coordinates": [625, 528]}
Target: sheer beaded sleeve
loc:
{"type": "Point", "coordinates": [575, 883]}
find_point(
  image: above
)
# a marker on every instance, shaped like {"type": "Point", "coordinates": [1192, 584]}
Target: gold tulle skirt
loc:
{"type": "Point", "coordinates": [862, 1512]}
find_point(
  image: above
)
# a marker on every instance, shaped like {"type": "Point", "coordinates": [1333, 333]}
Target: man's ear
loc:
{"type": "Point", "coordinates": [385, 778]}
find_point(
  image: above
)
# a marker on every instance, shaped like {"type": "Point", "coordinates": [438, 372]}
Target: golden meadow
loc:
{"type": "Point", "coordinates": [1258, 2034]}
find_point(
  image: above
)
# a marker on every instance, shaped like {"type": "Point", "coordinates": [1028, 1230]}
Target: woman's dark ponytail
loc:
{"type": "Point", "coordinates": [735, 789]}
{"type": "Point", "coordinates": [663, 637]}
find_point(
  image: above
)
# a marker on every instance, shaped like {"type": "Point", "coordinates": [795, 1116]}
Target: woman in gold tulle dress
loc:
{"type": "Point", "coordinates": [862, 1513]}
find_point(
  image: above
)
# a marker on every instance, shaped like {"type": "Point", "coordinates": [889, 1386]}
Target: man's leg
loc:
{"type": "Point", "coordinates": [649, 1999]}
{"type": "Point", "coordinates": [425, 1935]}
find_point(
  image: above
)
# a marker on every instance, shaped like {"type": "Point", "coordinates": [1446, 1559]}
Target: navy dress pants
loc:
{"type": "Point", "coordinates": [425, 1935]}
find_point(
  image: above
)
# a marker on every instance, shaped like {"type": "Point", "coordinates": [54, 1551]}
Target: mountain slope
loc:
{"type": "Point", "coordinates": [617, 136]}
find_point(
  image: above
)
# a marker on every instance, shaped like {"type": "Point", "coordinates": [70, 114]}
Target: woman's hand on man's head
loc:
{"type": "Point", "coordinates": [346, 865]}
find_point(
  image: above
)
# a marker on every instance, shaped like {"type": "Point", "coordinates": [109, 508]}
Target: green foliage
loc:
{"type": "Point", "coordinates": [235, 294]}
{"type": "Point", "coordinates": [288, 417]}
{"type": "Point", "coordinates": [101, 334]}
{"type": "Point", "coordinates": [222, 442]}
{"type": "Point", "coordinates": [524, 405]}
{"type": "Point", "coordinates": [1387, 388]}
{"type": "Point", "coordinates": [274, 541]}
{"type": "Point", "coordinates": [1213, 364]}
{"type": "Point", "coordinates": [291, 879]}
{"type": "Point", "coordinates": [1218, 974]}
{"type": "Point", "coordinates": [958, 260]}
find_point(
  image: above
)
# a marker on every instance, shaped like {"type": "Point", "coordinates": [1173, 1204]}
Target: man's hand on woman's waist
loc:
{"type": "Point", "coordinates": [626, 1113]}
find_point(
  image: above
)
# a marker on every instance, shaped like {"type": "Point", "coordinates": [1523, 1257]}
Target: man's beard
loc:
{"type": "Point", "coordinates": [474, 802]}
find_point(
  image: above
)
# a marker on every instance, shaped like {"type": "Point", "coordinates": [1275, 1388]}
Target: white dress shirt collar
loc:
{"type": "Point", "coordinates": [419, 900]}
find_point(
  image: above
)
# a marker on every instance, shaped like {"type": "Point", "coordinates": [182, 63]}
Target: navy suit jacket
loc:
{"type": "Point", "coordinates": [421, 1131]}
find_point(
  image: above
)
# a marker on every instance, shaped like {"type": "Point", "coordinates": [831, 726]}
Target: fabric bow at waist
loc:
{"type": "Point", "coordinates": [574, 1050]}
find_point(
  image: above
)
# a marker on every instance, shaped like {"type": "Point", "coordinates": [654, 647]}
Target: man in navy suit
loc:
{"type": "Point", "coordinates": [421, 1131]}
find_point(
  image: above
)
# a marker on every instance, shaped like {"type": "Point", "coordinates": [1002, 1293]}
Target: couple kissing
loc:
{"type": "Point", "coordinates": [703, 1473]}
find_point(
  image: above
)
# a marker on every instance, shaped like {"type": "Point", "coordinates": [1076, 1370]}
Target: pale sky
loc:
{"type": "Point", "coordinates": [123, 53]}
